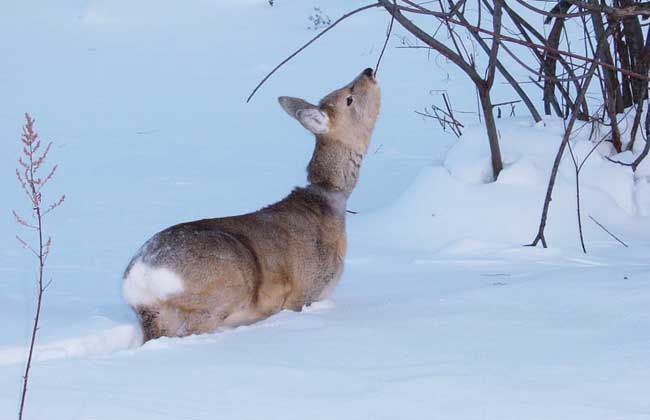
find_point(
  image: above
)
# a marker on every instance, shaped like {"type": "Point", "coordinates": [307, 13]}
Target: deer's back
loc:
{"type": "Point", "coordinates": [239, 269]}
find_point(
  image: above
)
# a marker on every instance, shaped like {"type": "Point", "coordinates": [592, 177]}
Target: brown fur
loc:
{"type": "Point", "coordinates": [238, 270]}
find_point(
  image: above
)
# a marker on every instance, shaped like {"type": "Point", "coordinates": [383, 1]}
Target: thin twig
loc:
{"type": "Point", "coordinates": [388, 32]}
{"type": "Point", "coordinates": [579, 213]}
{"type": "Point", "coordinates": [565, 139]}
{"type": "Point", "coordinates": [610, 233]}
{"type": "Point", "coordinates": [506, 103]}
{"type": "Point", "coordinates": [299, 50]}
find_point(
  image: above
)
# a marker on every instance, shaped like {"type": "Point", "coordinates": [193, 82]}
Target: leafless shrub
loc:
{"type": "Point", "coordinates": [613, 49]}
{"type": "Point", "coordinates": [445, 117]}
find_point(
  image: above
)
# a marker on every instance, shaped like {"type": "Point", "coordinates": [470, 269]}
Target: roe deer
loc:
{"type": "Point", "coordinates": [198, 276]}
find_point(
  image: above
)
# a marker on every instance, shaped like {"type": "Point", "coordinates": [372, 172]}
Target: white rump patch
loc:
{"type": "Point", "coordinates": [145, 285]}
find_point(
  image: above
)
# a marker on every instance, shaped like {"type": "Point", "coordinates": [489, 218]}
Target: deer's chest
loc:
{"type": "Point", "coordinates": [330, 257]}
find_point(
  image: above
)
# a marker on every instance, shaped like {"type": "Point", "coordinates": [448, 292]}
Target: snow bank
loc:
{"type": "Point", "coordinates": [454, 208]}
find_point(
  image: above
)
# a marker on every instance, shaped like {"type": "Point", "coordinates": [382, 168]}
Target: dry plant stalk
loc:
{"type": "Point", "coordinates": [32, 183]}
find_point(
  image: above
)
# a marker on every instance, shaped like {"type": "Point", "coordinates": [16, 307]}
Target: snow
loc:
{"type": "Point", "coordinates": [104, 342]}
{"type": "Point", "coordinates": [441, 312]}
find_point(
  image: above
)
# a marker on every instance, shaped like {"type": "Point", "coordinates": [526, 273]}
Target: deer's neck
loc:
{"type": "Point", "coordinates": [334, 167]}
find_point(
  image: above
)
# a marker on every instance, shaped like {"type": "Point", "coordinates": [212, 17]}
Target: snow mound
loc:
{"type": "Point", "coordinates": [455, 209]}
{"type": "Point", "coordinates": [121, 337]}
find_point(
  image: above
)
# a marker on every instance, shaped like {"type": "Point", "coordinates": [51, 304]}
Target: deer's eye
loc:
{"type": "Point", "coordinates": [349, 100]}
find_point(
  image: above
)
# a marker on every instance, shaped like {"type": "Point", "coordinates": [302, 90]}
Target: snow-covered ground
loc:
{"type": "Point", "coordinates": [441, 313]}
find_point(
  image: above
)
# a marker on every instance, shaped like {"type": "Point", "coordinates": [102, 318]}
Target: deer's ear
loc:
{"type": "Point", "coordinates": [312, 118]}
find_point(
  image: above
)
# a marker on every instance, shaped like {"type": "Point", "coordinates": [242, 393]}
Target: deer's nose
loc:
{"type": "Point", "coordinates": [368, 72]}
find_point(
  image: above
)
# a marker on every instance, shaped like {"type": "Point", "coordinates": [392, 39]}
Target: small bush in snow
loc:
{"type": "Point", "coordinates": [32, 181]}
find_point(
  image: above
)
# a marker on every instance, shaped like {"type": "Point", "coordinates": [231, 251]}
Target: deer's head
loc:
{"type": "Point", "coordinates": [346, 115]}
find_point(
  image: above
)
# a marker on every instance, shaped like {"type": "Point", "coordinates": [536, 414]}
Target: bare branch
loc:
{"type": "Point", "coordinates": [311, 41]}
{"type": "Point", "coordinates": [505, 38]}
{"type": "Point", "coordinates": [388, 32]}
{"type": "Point", "coordinates": [567, 135]}
{"type": "Point", "coordinates": [431, 41]}
{"type": "Point", "coordinates": [608, 232]}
